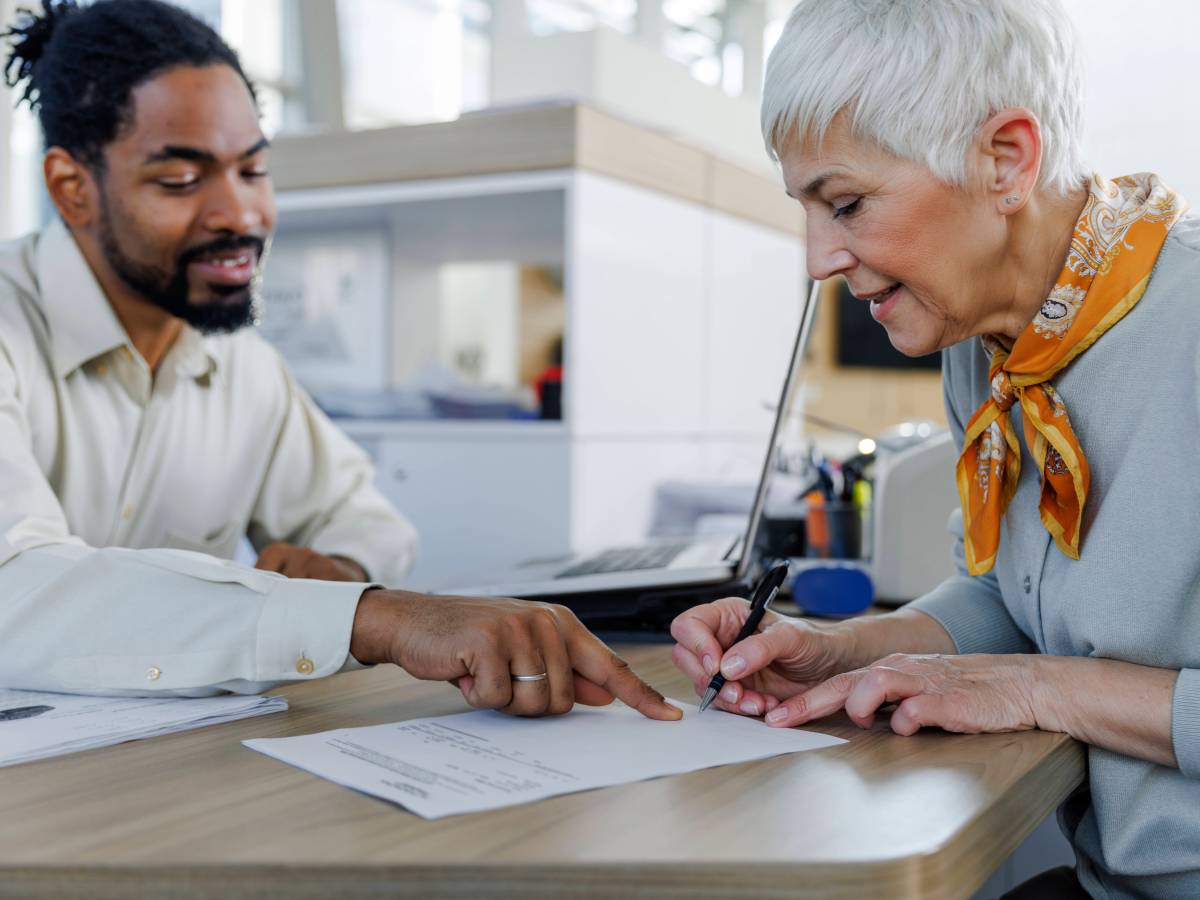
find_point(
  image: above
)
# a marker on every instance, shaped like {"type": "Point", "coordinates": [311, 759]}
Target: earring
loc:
{"type": "Point", "coordinates": [1011, 200]}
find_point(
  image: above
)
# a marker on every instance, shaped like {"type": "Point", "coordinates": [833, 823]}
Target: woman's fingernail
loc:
{"type": "Point", "coordinates": [778, 714]}
{"type": "Point", "coordinates": [709, 669]}
{"type": "Point", "coordinates": [749, 707]}
{"type": "Point", "coordinates": [732, 666]}
{"type": "Point", "coordinates": [729, 694]}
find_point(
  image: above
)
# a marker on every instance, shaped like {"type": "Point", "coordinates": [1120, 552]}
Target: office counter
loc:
{"type": "Point", "coordinates": [198, 815]}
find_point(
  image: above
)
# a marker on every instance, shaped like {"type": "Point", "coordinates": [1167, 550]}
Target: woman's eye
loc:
{"type": "Point", "coordinates": [847, 209]}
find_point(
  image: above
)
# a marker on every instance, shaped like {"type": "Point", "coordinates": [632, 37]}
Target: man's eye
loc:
{"type": "Point", "coordinates": [255, 173]}
{"type": "Point", "coordinates": [176, 184]}
{"type": "Point", "coordinates": [848, 209]}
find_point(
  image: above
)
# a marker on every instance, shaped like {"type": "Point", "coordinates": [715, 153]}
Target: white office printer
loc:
{"type": "Point", "coordinates": [913, 497]}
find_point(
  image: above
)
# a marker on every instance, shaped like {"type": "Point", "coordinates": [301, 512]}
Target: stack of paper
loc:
{"type": "Point", "coordinates": [35, 725]}
{"type": "Point", "coordinates": [484, 760]}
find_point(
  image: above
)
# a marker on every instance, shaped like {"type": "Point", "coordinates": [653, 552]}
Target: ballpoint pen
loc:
{"type": "Point", "coordinates": [768, 586]}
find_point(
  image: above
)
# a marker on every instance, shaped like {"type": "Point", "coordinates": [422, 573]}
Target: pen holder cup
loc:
{"type": "Point", "coordinates": [833, 530]}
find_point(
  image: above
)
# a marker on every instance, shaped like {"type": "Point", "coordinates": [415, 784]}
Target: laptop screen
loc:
{"type": "Point", "coordinates": [786, 417]}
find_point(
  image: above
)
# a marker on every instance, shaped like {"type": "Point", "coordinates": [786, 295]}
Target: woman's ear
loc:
{"type": "Point", "coordinates": [70, 186]}
{"type": "Point", "coordinates": [1009, 149]}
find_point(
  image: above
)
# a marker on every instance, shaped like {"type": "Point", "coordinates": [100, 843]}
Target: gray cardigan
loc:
{"type": "Point", "coordinates": [1134, 594]}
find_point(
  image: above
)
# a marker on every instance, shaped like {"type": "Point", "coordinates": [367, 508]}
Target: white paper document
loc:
{"type": "Point", "coordinates": [473, 761]}
{"type": "Point", "coordinates": [34, 725]}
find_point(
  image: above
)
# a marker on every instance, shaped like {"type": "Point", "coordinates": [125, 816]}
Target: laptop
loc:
{"type": "Point", "coordinates": [639, 589]}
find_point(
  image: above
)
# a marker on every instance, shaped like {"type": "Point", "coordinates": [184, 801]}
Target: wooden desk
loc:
{"type": "Point", "coordinates": [197, 815]}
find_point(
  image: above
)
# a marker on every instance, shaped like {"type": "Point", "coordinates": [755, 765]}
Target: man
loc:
{"type": "Point", "coordinates": [137, 422]}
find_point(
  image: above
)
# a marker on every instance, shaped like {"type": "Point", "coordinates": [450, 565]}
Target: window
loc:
{"type": "Point", "coordinates": [265, 34]}
{"type": "Point", "coordinates": [695, 37]}
{"type": "Point", "coordinates": [413, 61]}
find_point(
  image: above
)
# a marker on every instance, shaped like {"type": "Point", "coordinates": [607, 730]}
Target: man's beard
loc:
{"type": "Point", "coordinates": [232, 306]}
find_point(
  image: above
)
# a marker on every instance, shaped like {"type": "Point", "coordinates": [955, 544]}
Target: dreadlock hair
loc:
{"type": "Point", "coordinates": [81, 64]}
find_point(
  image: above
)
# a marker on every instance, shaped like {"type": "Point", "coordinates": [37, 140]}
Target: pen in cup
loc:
{"type": "Point", "coordinates": [764, 592]}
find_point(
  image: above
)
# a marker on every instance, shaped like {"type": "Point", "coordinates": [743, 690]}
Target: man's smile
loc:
{"type": "Point", "coordinates": [226, 267]}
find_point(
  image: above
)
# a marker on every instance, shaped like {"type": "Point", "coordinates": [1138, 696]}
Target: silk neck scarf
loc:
{"type": "Point", "coordinates": [1113, 250]}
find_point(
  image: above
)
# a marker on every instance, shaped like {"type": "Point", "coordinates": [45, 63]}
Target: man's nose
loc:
{"type": "Point", "coordinates": [233, 206]}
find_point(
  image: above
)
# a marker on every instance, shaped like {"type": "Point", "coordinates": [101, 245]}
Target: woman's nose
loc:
{"type": "Point", "coordinates": [826, 253]}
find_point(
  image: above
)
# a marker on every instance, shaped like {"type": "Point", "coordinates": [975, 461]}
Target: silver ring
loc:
{"type": "Point", "coordinates": [541, 676]}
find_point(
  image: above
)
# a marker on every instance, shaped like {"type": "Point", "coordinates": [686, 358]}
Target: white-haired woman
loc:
{"type": "Point", "coordinates": [935, 148]}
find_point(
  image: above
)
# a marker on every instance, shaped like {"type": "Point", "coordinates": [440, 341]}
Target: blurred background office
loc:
{"type": "Point", "coordinates": [533, 254]}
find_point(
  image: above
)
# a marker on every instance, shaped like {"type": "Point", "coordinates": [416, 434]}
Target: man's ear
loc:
{"type": "Point", "coordinates": [1010, 156]}
{"type": "Point", "coordinates": [71, 186]}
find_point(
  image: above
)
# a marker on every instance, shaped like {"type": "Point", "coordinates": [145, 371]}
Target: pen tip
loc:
{"type": "Point", "coordinates": [709, 696]}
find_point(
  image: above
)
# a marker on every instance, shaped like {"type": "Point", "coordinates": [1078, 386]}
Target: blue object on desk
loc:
{"type": "Point", "coordinates": [832, 589]}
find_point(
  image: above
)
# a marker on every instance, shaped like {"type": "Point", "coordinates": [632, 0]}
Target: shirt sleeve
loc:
{"type": "Point", "coordinates": [319, 492]}
{"type": "Point", "coordinates": [970, 607]}
{"type": "Point", "coordinates": [78, 619]}
{"type": "Point", "coordinates": [1185, 722]}
{"type": "Point", "coordinates": [1185, 702]}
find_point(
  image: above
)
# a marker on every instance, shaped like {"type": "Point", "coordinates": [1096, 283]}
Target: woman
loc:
{"type": "Point", "coordinates": [940, 170]}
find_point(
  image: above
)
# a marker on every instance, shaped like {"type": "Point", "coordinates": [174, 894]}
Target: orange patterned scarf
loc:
{"type": "Point", "coordinates": [1113, 250]}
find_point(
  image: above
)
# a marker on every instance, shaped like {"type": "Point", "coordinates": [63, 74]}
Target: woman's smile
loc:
{"type": "Point", "coordinates": [882, 302]}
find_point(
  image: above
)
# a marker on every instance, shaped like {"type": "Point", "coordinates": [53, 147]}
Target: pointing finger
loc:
{"type": "Point", "coordinates": [599, 665]}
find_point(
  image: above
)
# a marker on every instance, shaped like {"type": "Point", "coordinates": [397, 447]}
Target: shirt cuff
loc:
{"type": "Point", "coordinates": [304, 631]}
{"type": "Point", "coordinates": [976, 619]}
{"type": "Point", "coordinates": [1185, 722]}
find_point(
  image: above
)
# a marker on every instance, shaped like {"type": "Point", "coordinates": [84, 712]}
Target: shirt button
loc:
{"type": "Point", "coordinates": [153, 673]}
{"type": "Point", "coordinates": [127, 513]}
{"type": "Point", "coordinates": [304, 665]}
{"type": "Point", "coordinates": [1027, 584]}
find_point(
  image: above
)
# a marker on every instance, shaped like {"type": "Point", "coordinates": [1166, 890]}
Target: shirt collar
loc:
{"type": "Point", "coordinates": [193, 354]}
{"type": "Point", "coordinates": [83, 325]}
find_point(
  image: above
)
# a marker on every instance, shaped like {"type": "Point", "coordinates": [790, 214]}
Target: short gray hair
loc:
{"type": "Point", "coordinates": [919, 77]}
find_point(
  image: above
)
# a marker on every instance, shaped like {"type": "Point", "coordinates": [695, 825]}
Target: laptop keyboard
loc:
{"type": "Point", "coordinates": [626, 559]}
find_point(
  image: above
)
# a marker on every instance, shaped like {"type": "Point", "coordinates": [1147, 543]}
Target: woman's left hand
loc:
{"type": "Point", "coordinates": [973, 693]}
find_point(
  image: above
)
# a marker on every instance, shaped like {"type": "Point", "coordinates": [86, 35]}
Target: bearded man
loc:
{"type": "Point", "coordinates": [144, 429]}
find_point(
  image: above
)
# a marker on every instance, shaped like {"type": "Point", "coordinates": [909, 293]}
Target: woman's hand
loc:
{"type": "Point", "coordinates": [971, 694]}
{"type": "Point", "coordinates": [784, 658]}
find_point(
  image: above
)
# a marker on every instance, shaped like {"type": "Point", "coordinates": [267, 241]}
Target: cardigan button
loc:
{"type": "Point", "coordinates": [1027, 584]}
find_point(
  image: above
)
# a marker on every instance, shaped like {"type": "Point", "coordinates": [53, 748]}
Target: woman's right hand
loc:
{"type": "Point", "coordinates": [785, 657]}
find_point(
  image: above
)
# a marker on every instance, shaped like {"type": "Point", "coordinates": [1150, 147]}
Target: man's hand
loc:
{"type": "Point", "coordinates": [301, 562]}
{"type": "Point", "coordinates": [480, 644]}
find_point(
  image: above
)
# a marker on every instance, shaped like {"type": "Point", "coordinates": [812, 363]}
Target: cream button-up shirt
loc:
{"type": "Point", "coordinates": [123, 495]}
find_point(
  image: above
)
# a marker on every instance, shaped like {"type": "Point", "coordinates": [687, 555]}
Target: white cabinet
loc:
{"type": "Point", "coordinates": [755, 282]}
{"type": "Point", "coordinates": [636, 316]}
{"type": "Point", "coordinates": [680, 323]}
{"type": "Point", "coordinates": [481, 495]}
{"type": "Point", "coordinates": [678, 314]}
